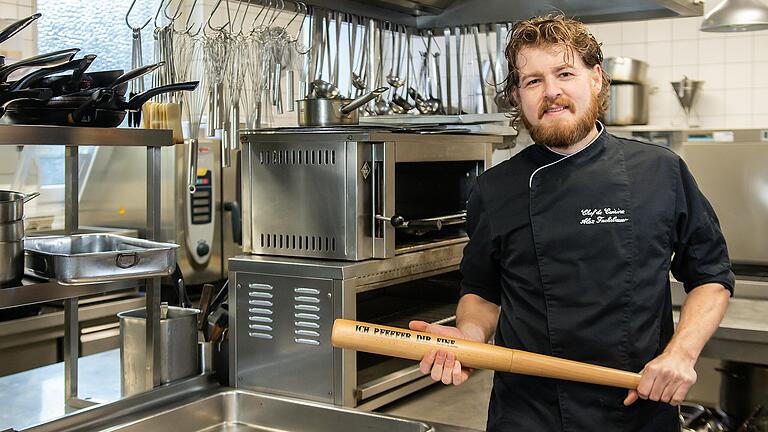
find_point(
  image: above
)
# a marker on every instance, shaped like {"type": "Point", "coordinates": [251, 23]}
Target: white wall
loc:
{"type": "Point", "coordinates": [733, 66]}
{"type": "Point", "coordinates": [23, 44]}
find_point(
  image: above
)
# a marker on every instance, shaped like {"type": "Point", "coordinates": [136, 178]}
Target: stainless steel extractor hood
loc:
{"type": "Point", "coordinates": [426, 14]}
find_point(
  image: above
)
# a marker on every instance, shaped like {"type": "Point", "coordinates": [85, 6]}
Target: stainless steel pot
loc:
{"type": "Point", "coordinates": [11, 262]}
{"type": "Point", "coordinates": [627, 105]}
{"type": "Point", "coordinates": [12, 205]}
{"type": "Point", "coordinates": [332, 112]}
{"type": "Point", "coordinates": [12, 231]}
{"type": "Point", "coordinates": [625, 69]}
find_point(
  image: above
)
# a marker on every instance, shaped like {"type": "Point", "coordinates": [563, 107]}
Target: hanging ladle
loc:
{"type": "Point", "coordinates": [358, 80]}
{"type": "Point", "coordinates": [324, 89]}
{"type": "Point", "coordinates": [394, 80]}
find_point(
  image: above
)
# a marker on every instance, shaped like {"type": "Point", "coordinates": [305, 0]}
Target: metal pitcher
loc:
{"type": "Point", "coordinates": [177, 345]}
{"type": "Point", "coordinates": [333, 112]}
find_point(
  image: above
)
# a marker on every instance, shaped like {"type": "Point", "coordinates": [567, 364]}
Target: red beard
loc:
{"type": "Point", "coordinates": [563, 133]}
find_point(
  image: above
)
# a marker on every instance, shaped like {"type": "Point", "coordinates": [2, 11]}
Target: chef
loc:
{"type": "Point", "coordinates": [571, 245]}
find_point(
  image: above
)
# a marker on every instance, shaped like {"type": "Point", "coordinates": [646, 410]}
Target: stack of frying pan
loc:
{"type": "Point", "coordinates": [60, 92]}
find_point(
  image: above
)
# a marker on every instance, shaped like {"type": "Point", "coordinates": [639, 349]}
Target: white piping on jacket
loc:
{"type": "Point", "coordinates": [600, 130]}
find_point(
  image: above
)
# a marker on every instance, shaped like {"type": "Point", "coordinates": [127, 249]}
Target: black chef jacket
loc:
{"type": "Point", "coordinates": [577, 251]}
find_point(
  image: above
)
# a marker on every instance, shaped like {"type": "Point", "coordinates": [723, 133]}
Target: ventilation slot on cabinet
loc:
{"type": "Point", "coordinates": [297, 157]}
{"type": "Point", "coordinates": [306, 326]}
{"type": "Point", "coordinates": [260, 311]}
{"type": "Point", "coordinates": [297, 242]}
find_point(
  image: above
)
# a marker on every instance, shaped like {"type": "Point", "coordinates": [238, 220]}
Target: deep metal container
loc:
{"type": "Point", "coordinates": [178, 347]}
{"type": "Point", "coordinates": [625, 70]}
{"type": "Point", "coordinates": [11, 252]}
{"type": "Point", "coordinates": [627, 105]}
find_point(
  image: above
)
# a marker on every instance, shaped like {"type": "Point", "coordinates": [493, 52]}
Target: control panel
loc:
{"type": "Point", "coordinates": [201, 208]}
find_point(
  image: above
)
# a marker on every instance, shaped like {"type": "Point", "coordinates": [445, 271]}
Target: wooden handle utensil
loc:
{"type": "Point", "coordinates": [409, 344]}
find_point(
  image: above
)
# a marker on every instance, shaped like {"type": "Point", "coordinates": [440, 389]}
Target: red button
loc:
{"type": "Point", "coordinates": [205, 181]}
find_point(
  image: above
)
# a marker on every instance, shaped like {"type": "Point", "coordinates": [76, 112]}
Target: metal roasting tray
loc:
{"type": "Point", "coordinates": [92, 258]}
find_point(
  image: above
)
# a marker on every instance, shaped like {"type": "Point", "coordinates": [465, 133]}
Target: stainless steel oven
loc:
{"type": "Point", "coordinates": [356, 193]}
{"type": "Point", "coordinates": [283, 308]}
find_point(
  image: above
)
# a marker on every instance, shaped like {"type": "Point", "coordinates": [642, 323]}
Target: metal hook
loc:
{"type": "Point", "coordinates": [294, 16]}
{"type": "Point", "coordinates": [256, 18]}
{"type": "Point", "coordinates": [130, 8]}
{"type": "Point", "coordinates": [157, 14]}
{"type": "Point", "coordinates": [277, 13]}
{"type": "Point", "coordinates": [229, 18]}
{"type": "Point", "coordinates": [189, 18]}
{"type": "Point", "coordinates": [264, 19]}
{"type": "Point", "coordinates": [176, 13]}
{"type": "Point", "coordinates": [208, 23]}
{"type": "Point", "coordinates": [305, 11]}
{"type": "Point", "coordinates": [245, 14]}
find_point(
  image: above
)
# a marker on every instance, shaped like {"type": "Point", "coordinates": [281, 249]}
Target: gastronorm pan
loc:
{"type": "Point", "coordinates": [92, 258]}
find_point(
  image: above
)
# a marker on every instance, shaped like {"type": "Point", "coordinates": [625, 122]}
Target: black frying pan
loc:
{"type": "Point", "coordinates": [9, 97]}
{"type": "Point", "coordinates": [43, 60]}
{"type": "Point", "coordinates": [31, 80]}
{"type": "Point", "coordinates": [85, 110]}
{"type": "Point", "coordinates": [68, 84]}
{"type": "Point", "coordinates": [16, 27]}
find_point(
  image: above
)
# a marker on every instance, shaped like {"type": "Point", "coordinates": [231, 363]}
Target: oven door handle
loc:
{"type": "Point", "coordinates": [435, 223]}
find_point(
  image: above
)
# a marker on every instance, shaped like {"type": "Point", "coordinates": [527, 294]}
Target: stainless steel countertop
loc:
{"type": "Point", "coordinates": [743, 334]}
{"type": "Point", "coordinates": [35, 396]}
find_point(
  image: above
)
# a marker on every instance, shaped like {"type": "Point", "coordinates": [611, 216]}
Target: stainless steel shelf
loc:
{"type": "Point", "coordinates": [33, 291]}
{"type": "Point", "coordinates": [30, 291]}
{"type": "Point", "coordinates": [83, 136]}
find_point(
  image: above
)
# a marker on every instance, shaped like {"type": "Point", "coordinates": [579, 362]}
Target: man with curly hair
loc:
{"type": "Point", "coordinates": [571, 245]}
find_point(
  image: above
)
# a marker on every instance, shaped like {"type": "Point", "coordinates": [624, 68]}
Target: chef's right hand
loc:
{"type": "Point", "coordinates": [441, 365]}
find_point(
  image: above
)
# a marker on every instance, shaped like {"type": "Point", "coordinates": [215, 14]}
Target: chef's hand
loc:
{"type": "Point", "coordinates": [441, 365]}
{"type": "Point", "coordinates": [667, 378]}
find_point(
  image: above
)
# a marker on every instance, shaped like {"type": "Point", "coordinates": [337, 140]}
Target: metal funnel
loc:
{"type": "Point", "coordinates": [686, 91]}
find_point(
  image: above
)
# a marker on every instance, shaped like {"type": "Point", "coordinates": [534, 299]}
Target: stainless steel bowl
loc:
{"type": "Point", "coordinates": [625, 70]}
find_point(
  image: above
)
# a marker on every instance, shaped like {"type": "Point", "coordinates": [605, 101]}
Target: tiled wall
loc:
{"type": "Point", "coordinates": [24, 44]}
{"type": "Point", "coordinates": [733, 66]}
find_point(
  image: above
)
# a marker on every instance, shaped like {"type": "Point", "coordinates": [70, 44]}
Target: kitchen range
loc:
{"type": "Point", "coordinates": [298, 166]}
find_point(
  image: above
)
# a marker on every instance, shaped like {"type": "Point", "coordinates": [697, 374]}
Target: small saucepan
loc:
{"type": "Point", "coordinates": [333, 112]}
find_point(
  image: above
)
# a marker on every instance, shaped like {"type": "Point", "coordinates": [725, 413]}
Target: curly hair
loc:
{"type": "Point", "coordinates": [547, 31]}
